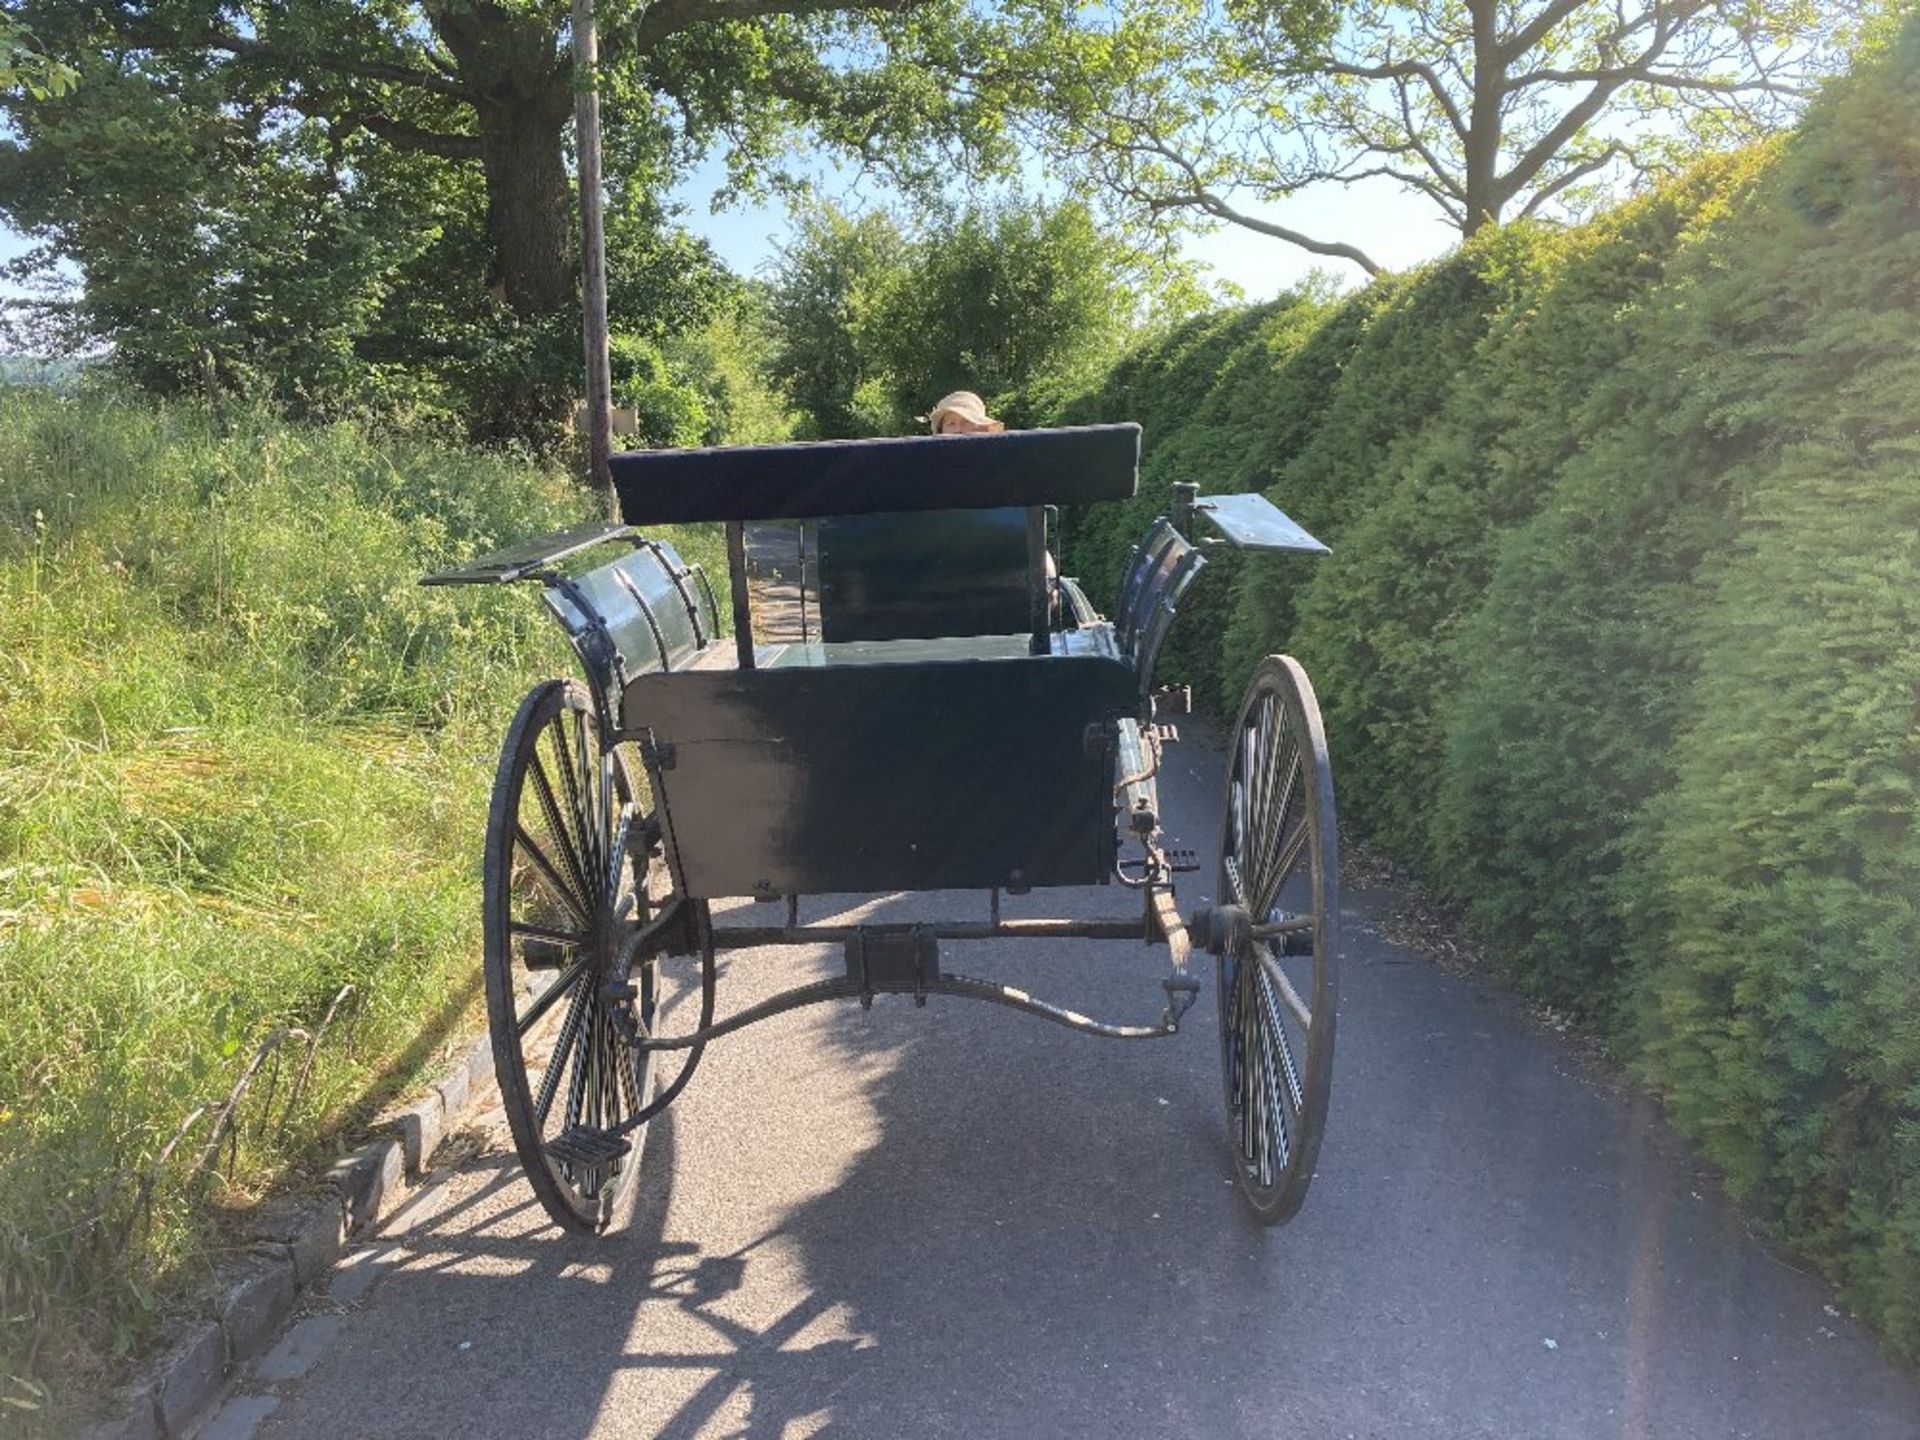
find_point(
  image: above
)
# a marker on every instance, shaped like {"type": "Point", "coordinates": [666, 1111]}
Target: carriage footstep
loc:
{"type": "Point", "coordinates": [588, 1151]}
{"type": "Point", "coordinates": [1182, 990]}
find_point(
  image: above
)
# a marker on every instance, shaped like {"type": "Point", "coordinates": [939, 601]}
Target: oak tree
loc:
{"type": "Point", "coordinates": [1213, 110]}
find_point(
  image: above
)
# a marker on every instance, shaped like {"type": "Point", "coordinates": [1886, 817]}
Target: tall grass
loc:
{"type": "Point", "coordinates": [243, 766]}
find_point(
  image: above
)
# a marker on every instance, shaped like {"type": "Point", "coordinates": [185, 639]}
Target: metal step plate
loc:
{"type": "Point", "coordinates": [588, 1152]}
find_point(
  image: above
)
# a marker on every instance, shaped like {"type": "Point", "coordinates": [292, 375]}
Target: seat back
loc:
{"type": "Point", "coordinates": [868, 477]}
{"type": "Point", "coordinates": [923, 576]}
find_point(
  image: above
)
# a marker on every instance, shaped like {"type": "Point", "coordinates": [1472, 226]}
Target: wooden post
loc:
{"type": "Point", "coordinates": [593, 253]}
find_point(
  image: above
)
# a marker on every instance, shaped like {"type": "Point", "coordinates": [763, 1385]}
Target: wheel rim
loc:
{"type": "Point", "coordinates": [563, 890]}
{"type": "Point", "coordinates": [1277, 992]}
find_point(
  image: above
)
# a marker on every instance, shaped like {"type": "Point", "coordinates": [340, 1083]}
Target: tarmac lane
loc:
{"type": "Point", "coordinates": [958, 1221]}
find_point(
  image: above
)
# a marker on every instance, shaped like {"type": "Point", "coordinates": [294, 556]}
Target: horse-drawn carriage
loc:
{"type": "Point", "coordinates": [957, 717]}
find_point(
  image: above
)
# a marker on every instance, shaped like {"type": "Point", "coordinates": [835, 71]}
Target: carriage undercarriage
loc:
{"type": "Point", "coordinates": [687, 768]}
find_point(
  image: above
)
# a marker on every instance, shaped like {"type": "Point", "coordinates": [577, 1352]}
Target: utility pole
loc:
{"type": "Point", "coordinates": [593, 253]}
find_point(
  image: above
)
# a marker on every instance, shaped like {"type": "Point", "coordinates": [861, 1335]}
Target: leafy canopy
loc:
{"type": "Point", "coordinates": [1214, 111]}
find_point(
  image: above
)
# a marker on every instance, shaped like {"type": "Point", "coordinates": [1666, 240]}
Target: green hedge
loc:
{"type": "Point", "coordinates": [1619, 644]}
{"type": "Point", "coordinates": [1777, 903]}
{"type": "Point", "coordinates": [1557, 710]}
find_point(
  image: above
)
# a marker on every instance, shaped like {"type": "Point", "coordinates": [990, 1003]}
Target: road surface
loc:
{"type": "Point", "coordinates": [963, 1222]}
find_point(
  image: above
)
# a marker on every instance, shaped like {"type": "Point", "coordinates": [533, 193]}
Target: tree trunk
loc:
{"type": "Point", "coordinates": [528, 199]}
{"type": "Point", "coordinates": [521, 90]}
{"type": "Point", "coordinates": [1482, 141]}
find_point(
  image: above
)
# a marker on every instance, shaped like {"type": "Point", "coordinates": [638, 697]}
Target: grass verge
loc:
{"type": "Point", "coordinates": [243, 770]}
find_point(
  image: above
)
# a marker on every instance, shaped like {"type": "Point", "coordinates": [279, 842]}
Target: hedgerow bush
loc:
{"type": "Point", "coordinates": [1381, 624]}
{"type": "Point", "coordinates": [1304, 390]}
{"type": "Point", "coordinates": [1619, 642]}
{"type": "Point", "coordinates": [1776, 903]}
{"type": "Point", "coordinates": [1372, 623]}
{"type": "Point", "coordinates": [1574, 670]}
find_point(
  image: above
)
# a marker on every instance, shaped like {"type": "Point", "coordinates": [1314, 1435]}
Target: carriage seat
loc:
{"type": "Point", "coordinates": [917, 537]}
{"type": "Point", "coordinates": [923, 575]}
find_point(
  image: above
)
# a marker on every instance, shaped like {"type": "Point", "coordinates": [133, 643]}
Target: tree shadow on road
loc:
{"type": "Point", "coordinates": [952, 1222]}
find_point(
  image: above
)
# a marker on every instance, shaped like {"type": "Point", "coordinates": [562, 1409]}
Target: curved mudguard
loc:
{"type": "Point", "coordinates": [643, 613]}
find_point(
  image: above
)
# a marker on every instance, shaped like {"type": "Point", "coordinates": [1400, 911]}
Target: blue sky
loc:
{"type": "Point", "coordinates": [1396, 229]}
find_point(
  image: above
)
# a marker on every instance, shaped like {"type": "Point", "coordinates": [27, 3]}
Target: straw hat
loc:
{"type": "Point", "coordinates": [965, 407]}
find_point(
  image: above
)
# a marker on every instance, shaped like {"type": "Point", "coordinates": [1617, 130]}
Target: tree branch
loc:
{"type": "Point", "coordinates": [1447, 203]}
{"type": "Point", "coordinates": [1338, 250]}
{"type": "Point", "coordinates": [152, 37]}
{"type": "Point", "coordinates": [1572, 175]}
{"type": "Point", "coordinates": [1523, 170]}
{"type": "Point", "coordinates": [1419, 147]}
{"type": "Point", "coordinates": [1399, 70]}
{"type": "Point", "coordinates": [1199, 196]}
{"type": "Point", "coordinates": [1535, 30]}
{"type": "Point", "coordinates": [403, 136]}
{"type": "Point", "coordinates": [1664, 80]}
{"type": "Point", "coordinates": [669, 17]}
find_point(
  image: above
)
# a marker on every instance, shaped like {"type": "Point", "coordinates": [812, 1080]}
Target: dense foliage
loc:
{"type": "Point", "coordinates": [222, 249]}
{"type": "Point", "coordinates": [1022, 304]}
{"type": "Point", "coordinates": [321, 198]}
{"type": "Point", "coordinates": [244, 757]}
{"type": "Point", "coordinates": [1778, 898]}
{"type": "Point", "coordinates": [1619, 642]}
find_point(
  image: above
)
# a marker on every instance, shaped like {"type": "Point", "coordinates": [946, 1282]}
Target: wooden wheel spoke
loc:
{"type": "Point", "coordinates": [1282, 808]}
{"type": "Point", "coordinates": [578, 1058]}
{"type": "Point", "coordinates": [594, 1113]}
{"type": "Point", "coordinates": [622, 832]}
{"type": "Point", "coordinates": [1270, 1025]}
{"type": "Point", "coordinates": [1283, 866]}
{"type": "Point", "coordinates": [562, 1054]}
{"type": "Point", "coordinates": [569, 777]}
{"type": "Point", "coordinates": [610, 856]}
{"type": "Point", "coordinates": [547, 933]}
{"type": "Point", "coordinates": [1271, 865]}
{"type": "Point", "coordinates": [563, 839]}
{"type": "Point", "coordinates": [626, 1075]}
{"type": "Point", "coordinates": [1277, 977]}
{"type": "Point", "coordinates": [524, 842]}
{"type": "Point", "coordinates": [588, 805]}
{"type": "Point", "coordinates": [1248, 1090]}
{"type": "Point", "coordinates": [608, 1066]}
{"type": "Point", "coordinates": [549, 997]}
{"type": "Point", "coordinates": [1274, 1110]}
{"type": "Point", "coordinates": [1236, 886]}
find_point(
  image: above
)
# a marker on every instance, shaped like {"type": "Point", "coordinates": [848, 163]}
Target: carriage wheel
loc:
{"type": "Point", "coordinates": [562, 884]}
{"type": "Point", "coordinates": [1278, 969]}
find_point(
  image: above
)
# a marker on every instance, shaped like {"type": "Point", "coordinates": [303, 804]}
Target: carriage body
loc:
{"type": "Point", "coordinates": [954, 717]}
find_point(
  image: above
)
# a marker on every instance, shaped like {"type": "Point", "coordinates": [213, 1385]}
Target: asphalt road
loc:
{"type": "Point", "coordinates": [963, 1222]}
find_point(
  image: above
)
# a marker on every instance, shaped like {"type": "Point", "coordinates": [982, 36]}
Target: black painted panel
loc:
{"type": "Point", "coordinates": [909, 776]}
{"type": "Point", "coordinates": [920, 576]}
{"type": "Point", "coordinates": [863, 477]}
